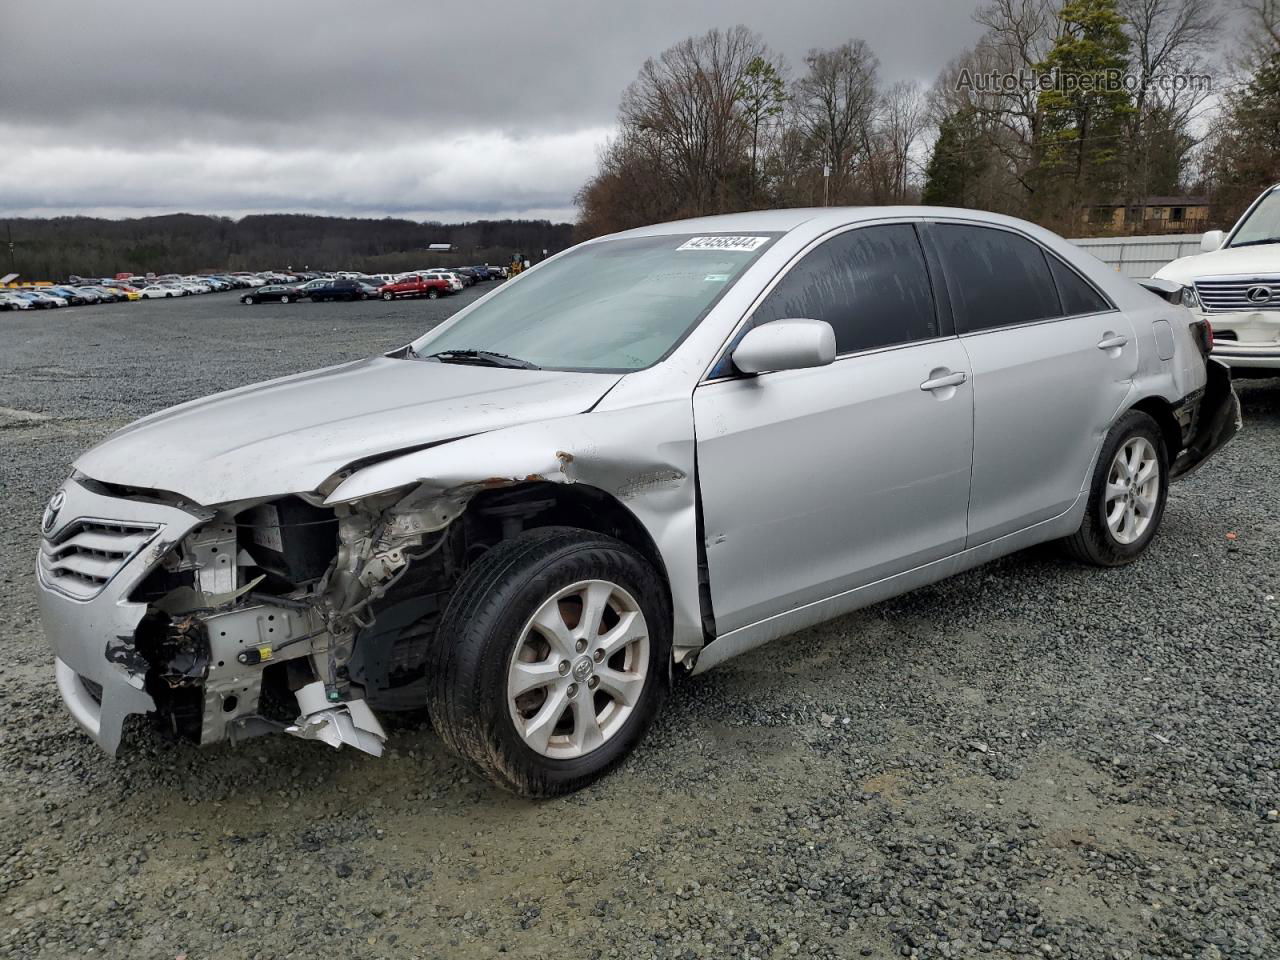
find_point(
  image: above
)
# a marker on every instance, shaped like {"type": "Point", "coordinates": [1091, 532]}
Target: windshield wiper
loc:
{"type": "Point", "coordinates": [1254, 243]}
{"type": "Point", "coordinates": [484, 358]}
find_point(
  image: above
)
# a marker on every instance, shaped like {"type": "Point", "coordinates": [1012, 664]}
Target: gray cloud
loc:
{"type": "Point", "coordinates": [400, 106]}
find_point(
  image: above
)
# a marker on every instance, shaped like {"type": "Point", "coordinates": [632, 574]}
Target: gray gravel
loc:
{"type": "Point", "coordinates": [1033, 759]}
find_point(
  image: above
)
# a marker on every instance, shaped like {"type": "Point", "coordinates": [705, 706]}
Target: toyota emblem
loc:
{"type": "Point", "coordinates": [1259, 294]}
{"type": "Point", "coordinates": [51, 511]}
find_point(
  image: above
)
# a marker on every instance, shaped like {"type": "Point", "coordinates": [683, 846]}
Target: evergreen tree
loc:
{"type": "Point", "coordinates": [762, 94]}
{"type": "Point", "coordinates": [1245, 154]}
{"type": "Point", "coordinates": [1084, 111]}
{"type": "Point", "coordinates": [957, 162]}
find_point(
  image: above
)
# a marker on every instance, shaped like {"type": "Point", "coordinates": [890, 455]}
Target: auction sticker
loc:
{"type": "Point", "coordinates": [733, 244]}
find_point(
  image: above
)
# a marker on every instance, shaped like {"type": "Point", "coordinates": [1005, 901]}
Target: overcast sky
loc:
{"type": "Point", "coordinates": [394, 107]}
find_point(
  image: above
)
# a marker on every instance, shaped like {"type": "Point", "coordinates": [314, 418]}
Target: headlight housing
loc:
{"type": "Point", "coordinates": [1190, 299]}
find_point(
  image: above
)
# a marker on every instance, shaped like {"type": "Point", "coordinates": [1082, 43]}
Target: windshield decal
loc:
{"type": "Point", "coordinates": [736, 244]}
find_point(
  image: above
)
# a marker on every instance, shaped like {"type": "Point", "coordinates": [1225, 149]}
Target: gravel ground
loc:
{"type": "Point", "coordinates": [1030, 759]}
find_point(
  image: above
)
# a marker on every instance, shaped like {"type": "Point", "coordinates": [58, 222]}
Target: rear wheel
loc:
{"type": "Point", "coordinates": [388, 296]}
{"type": "Point", "coordinates": [551, 660]}
{"type": "Point", "coordinates": [1127, 496]}
{"type": "Point", "coordinates": [246, 299]}
{"type": "Point", "coordinates": [285, 298]}
{"type": "Point", "coordinates": [433, 294]}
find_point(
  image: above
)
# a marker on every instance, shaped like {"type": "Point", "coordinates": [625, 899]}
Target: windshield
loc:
{"type": "Point", "coordinates": [615, 305]}
{"type": "Point", "coordinates": [1262, 225]}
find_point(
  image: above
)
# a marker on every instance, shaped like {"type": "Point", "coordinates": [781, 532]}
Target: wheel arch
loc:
{"type": "Point", "coordinates": [1162, 412]}
{"type": "Point", "coordinates": [578, 505]}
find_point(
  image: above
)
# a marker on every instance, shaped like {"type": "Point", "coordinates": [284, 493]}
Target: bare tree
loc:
{"type": "Point", "coordinates": [687, 103]}
{"type": "Point", "coordinates": [1169, 37]}
{"type": "Point", "coordinates": [1262, 28]}
{"type": "Point", "coordinates": [834, 104]}
{"type": "Point", "coordinates": [1020, 34]}
{"type": "Point", "coordinates": [901, 122]}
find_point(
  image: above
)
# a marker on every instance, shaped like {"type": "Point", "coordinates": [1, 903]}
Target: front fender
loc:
{"type": "Point", "coordinates": [643, 456]}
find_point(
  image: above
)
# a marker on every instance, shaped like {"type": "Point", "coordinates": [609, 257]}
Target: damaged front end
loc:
{"type": "Point", "coordinates": [253, 618]}
{"type": "Point", "coordinates": [283, 615]}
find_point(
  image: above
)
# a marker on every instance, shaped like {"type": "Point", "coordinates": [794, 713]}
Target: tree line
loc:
{"type": "Point", "coordinates": [1108, 105]}
{"type": "Point", "coordinates": [188, 243]}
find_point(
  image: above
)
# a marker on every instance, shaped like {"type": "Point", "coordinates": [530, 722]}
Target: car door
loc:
{"type": "Point", "coordinates": [816, 481]}
{"type": "Point", "coordinates": [1052, 361]}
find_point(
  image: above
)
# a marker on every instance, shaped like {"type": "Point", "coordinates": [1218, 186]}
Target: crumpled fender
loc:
{"type": "Point", "coordinates": [643, 456]}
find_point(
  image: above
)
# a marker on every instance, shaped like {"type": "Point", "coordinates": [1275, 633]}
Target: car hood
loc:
{"type": "Point", "coordinates": [289, 435]}
{"type": "Point", "coordinates": [1261, 260]}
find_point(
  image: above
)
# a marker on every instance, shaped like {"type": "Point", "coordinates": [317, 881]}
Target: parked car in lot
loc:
{"type": "Point", "coordinates": [40, 298]}
{"type": "Point", "coordinates": [455, 282]}
{"type": "Point", "coordinates": [11, 301]}
{"type": "Point", "coordinates": [159, 291]}
{"type": "Point", "coordinates": [657, 449]}
{"type": "Point", "coordinates": [338, 290]}
{"type": "Point", "coordinates": [272, 293]}
{"type": "Point", "coordinates": [415, 286]}
{"type": "Point", "coordinates": [71, 296]}
{"type": "Point", "coordinates": [1234, 283]}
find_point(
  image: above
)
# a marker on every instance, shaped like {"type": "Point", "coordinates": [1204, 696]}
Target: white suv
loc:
{"type": "Point", "coordinates": [1237, 285]}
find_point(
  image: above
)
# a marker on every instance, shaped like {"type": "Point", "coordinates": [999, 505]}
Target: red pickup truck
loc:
{"type": "Point", "coordinates": [429, 287]}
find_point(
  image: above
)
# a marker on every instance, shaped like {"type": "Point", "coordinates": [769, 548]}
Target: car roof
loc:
{"type": "Point", "coordinates": [817, 220]}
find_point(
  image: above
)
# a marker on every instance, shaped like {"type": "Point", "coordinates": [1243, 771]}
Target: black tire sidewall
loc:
{"type": "Point", "coordinates": [1113, 552]}
{"type": "Point", "coordinates": [484, 635]}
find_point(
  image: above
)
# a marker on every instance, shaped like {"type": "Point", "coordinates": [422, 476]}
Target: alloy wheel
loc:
{"type": "Point", "coordinates": [1133, 490]}
{"type": "Point", "coordinates": [578, 669]}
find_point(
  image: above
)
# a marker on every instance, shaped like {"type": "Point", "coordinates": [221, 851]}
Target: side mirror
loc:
{"type": "Point", "coordinates": [1212, 241]}
{"type": "Point", "coordinates": [786, 345]}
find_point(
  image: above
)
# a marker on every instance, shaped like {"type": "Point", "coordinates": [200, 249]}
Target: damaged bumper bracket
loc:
{"type": "Point", "coordinates": [350, 722]}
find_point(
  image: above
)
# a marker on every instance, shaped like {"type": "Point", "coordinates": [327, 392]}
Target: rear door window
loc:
{"type": "Point", "coordinates": [996, 278]}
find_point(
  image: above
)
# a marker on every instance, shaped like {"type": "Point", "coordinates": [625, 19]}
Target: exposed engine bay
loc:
{"type": "Point", "coordinates": [289, 615]}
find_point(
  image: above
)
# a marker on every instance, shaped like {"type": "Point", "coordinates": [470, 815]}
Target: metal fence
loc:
{"type": "Point", "coordinates": [1140, 256]}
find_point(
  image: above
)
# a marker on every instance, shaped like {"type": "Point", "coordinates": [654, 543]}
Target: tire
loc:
{"type": "Point", "coordinates": [487, 625]}
{"type": "Point", "coordinates": [285, 298]}
{"type": "Point", "coordinates": [1099, 542]}
{"type": "Point", "coordinates": [388, 296]}
{"type": "Point", "coordinates": [433, 294]}
{"type": "Point", "coordinates": [168, 295]}
{"type": "Point", "coordinates": [246, 299]}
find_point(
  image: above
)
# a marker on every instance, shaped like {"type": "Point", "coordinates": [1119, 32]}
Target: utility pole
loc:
{"type": "Point", "coordinates": [13, 261]}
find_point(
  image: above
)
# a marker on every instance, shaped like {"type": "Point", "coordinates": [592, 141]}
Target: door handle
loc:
{"type": "Point", "coordinates": [1113, 343]}
{"type": "Point", "coordinates": [944, 381]}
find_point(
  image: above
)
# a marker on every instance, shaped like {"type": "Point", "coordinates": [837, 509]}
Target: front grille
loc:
{"type": "Point", "coordinates": [1229, 294]}
{"type": "Point", "coordinates": [89, 552]}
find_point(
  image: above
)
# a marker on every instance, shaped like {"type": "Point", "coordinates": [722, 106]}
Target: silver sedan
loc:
{"type": "Point", "coordinates": [649, 453]}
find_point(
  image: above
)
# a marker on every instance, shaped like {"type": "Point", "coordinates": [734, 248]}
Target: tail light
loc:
{"type": "Point", "coordinates": [1202, 330]}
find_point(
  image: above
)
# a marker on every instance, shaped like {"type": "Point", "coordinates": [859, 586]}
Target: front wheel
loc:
{"type": "Point", "coordinates": [1127, 495]}
{"type": "Point", "coordinates": [284, 299]}
{"type": "Point", "coordinates": [551, 660]}
{"type": "Point", "coordinates": [433, 294]}
{"type": "Point", "coordinates": [388, 296]}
